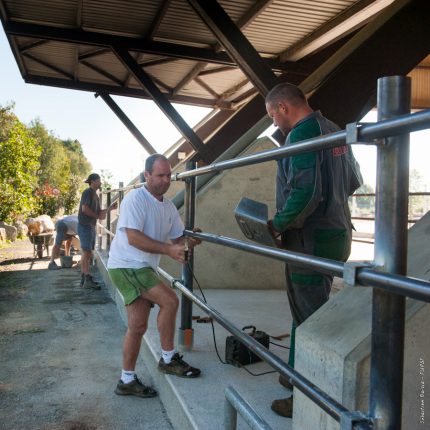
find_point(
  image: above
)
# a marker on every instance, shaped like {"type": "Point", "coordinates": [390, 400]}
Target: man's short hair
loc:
{"type": "Point", "coordinates": [285, 92]}
{"type": "Point", "coordinates": [149, 162]}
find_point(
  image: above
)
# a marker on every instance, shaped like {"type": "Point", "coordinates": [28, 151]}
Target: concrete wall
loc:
{"type": "Point", "coordinates": [333, 348]}
{"type": "Point", "coordinates": [220, 267]}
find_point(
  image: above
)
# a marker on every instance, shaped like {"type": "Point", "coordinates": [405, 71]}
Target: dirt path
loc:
{"type": "Point", "coordinates": [60, 349]}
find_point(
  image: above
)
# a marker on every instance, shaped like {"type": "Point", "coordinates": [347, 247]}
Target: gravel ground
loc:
{"type": "Point", "coordinates": [60, 349]}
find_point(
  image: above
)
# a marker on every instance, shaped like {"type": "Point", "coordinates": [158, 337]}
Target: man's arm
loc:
{"type": "Point", "coordinates": [86, 210]}
{"type": "Point", "coordinates": [141, 241]}
{"type": "Point", "coordinates": [191, 241]}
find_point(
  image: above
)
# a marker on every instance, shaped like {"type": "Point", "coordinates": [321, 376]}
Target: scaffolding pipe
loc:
{"type": "Point", "coordinates": [319, 397]}
{"type": "Point", "coordinates": [410, 287]}
{"type": "Point", "coordinates": [186, 328]}
{"type": "Point", "coordinates": [235, 403]}
{"type": "Point", "coordinates": [391, 239]}
{"type": "Point", "coordinates": [365, 134]}
{"type": "Point", "coordinates": [108, 226]}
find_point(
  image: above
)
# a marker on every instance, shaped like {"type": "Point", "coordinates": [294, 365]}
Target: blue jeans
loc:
{"type": "Point", "coordinates": [87, 236]}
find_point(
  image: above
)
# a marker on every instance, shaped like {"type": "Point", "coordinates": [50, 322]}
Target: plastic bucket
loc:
{"type": "Point", "coordinates": [66, 261]}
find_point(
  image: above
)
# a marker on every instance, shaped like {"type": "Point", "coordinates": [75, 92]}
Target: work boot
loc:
{"type": "Point", "coordinates": [285, 382]}
{"type": "Point", "coordinates": [89, 283]}
{"type": "Point", "coordinates": [134, 388]}
{"type": "Point", "coordinates": [178, 367]}
{"type": "Point", "coordinates": [283, 407]}
{"type": "Point", "coordinates": [53, 266]}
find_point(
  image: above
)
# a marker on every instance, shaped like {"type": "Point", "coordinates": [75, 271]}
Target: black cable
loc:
{"type": "Point", "coordinates": [214, 337]}
{"type": "Point", "coordinates": [280, 346]}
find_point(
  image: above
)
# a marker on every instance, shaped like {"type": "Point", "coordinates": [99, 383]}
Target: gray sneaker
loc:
{"type": "Point", "coordinates": [53, 266]}
{"type": "Point", "coordinates": [134, 388]}
{"type": "Point", "coordinates": [89, 283]}
{"type": "Point", "coordinates": [178, 367]}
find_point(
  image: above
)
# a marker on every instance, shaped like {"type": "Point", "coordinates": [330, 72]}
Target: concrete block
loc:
{"type": "Point", "coordinates": [221, 267]}
{"type": "Point", "coordinates": [11, 231]}
{"type": "Point", "coordinates": [333, 348]}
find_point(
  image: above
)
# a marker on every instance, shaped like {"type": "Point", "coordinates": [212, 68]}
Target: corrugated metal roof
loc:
{"type": "Point", "coordinates": [272, 27]}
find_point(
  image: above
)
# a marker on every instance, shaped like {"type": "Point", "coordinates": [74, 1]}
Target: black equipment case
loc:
{"type": "Point", "coordinates": [237, 354]}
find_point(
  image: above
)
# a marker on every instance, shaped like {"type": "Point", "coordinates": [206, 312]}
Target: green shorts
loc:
{"type": "Point", "coordinates": [131, 283]}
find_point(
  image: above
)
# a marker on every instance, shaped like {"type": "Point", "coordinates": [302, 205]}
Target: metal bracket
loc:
{"type": "Point", "coordinates": [352, 135]}
{"type": "Point", "coordinates": [350, 272]}
{"type": "Point", "coordinates": [348, 421]}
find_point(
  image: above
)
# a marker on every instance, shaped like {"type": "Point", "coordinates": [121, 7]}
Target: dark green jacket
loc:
{"type": "Point", "coordinates": [312, 189]}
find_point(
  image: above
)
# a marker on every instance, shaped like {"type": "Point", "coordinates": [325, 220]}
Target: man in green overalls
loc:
{"type": "Point", "coordinates": [313, 217]}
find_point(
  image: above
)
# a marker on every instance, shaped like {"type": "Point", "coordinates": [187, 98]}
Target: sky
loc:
{"type": "Point", "coordinates": [107, 143]}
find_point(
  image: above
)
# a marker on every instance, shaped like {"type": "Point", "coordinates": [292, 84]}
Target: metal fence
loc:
{"type": "Point", "coordinates": [386, 274]}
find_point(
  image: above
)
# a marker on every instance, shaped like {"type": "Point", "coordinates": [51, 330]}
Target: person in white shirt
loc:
{"type": "Point", "coordinates": [149, 225]}
{"type": "Point", "coordinates": [66, 228]}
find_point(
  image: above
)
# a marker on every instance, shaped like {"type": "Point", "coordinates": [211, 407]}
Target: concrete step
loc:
{"type": "Point", "coordinates": [199, 403]}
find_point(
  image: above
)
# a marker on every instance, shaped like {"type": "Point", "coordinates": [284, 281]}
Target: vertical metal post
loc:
{"type": "Point", "coordinates": [120, 194]}
{"type": "Point", "coordinates": [186, 333]}
{"type": "Point", "coordinates": [388, 313]}
{"type": "Point", "coordinates": [109, 202]}
{"type": "Point", "coordinates": [99, 230]}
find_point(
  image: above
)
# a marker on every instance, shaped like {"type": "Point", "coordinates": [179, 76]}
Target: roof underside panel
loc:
{"type": "Point", "coordinates": [132, 18]}
{"type": "Point", "coordinates": [69, 43]}
{"type": "Point", "coordinates": [287, 22]}
{"type": "Point", "coordinates": [61, 13]}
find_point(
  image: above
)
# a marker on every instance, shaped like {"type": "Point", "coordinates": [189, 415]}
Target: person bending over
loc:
{"type": "Point", "coordinates": [66, 228]}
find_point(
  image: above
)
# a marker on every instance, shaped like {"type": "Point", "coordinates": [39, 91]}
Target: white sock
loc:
{"type": "Point", "coordinates": [127, 376]}
{"type": "Point", "coordinates": [167, 355]}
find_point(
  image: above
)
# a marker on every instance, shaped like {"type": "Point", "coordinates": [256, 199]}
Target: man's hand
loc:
{"type": "Point", "coordinates": [193, 241]}
{"type": "Point", "coordinates": [177, 252]}
{"type": "Point", "coordinates": [102, 214]}
{"type": "Point", "coordinates": [275, 234]}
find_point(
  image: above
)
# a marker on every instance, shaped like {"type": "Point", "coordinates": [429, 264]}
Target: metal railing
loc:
{"type": "Point", "coordinates": [386, 275]}
{"type": "Point", "coordinates": [391, 286]}
{"type": "Point", "coordinates": [235, 403]}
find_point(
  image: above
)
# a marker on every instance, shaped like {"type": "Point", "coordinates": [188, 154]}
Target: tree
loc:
{"type": "Point", "coordinates": [19, 163]}
{"type": "Point", "coordinates": [418, 205]}
{"type": "Point", "coordinates": [62, 169]}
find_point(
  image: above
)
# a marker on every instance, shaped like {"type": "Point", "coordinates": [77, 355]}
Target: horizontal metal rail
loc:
{"type": "Point", "coordinates": [235, 403]}
{"type": "Point", "coordinates": [128, 187]}
{"type": "Point", "coordinates": [106, 230]}
{"type": "Point", "coordinates": [397, 284]}
{"type": "Point", "coordinates": [319, 397]}
{"type": "Point", "coordinates": [365, 134]}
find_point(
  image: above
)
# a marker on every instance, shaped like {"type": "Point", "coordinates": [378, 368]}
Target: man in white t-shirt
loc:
{"type": "Point", "coordinates": [149, 225]}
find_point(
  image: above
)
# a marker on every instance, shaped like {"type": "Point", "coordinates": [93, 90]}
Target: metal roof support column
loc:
{"type": "Point", "coordinates": [143, 78]}
{"type": "Point", "coordinates": [391, 239]}
{"type": "Point", "coordinates": [126, 121]}
{"type": "Point", "coordinates": [186, 332]}
{"type": "Point", "coordinates": [236, 44]}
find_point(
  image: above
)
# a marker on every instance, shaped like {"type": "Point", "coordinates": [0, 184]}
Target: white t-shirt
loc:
{"type": "Point", "coordinates": [159, 220]}
{"type": "Point", "coordinates": [71, 222]}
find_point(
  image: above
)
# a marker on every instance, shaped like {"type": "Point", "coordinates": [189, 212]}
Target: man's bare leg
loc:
{"type": "Point", "coordinates": [129, 384]}
{"type": "Point", "coordinates": [67, 246]}
{"type": "Point", "coordinates": [164, 297]}
{"type": "Point", "coordinates": [85, 261]}
{"type": "Point", "coordinates": [137, 317]}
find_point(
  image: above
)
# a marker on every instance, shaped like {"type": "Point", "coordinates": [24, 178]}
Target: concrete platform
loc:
{"type": "Point", "coordinates": [199, 403]}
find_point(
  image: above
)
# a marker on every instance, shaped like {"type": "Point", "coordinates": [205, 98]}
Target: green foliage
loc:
{"type": "Point", "coordinates": [418, 205]}
{"type": "Point", "coordinates": [106, 179]}
{"type": "Point", "coordinates": [63, 167]}
{"type": "Point", "coordinates": [39, 173]}
{"type": "Point", "coordinates": [72, 195]}
{"type": "Point", "coordinates": [19, 163]}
